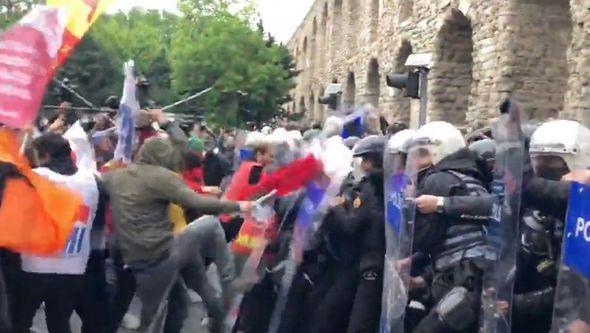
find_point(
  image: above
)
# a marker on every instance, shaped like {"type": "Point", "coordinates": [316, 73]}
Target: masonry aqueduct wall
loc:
{"type": "Point", "coordinates": [535, 50]}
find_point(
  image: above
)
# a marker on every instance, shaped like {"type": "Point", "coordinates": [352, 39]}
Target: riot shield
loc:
{"type": "Point", "coordinates": [502, 230]}
{"type": "Point", "coordinates": [398, 236]}
{"type": "Point", "coordinates": [337, 161]}
{"type": "Point", "coordinates": [572, 297]}
{"type": "Point", "coordinates": [263, 213]}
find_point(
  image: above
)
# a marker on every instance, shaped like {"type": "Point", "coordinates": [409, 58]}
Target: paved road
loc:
{"type": "Point", "coordinates": [192, 324]}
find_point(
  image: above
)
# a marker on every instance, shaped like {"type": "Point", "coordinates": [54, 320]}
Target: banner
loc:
{"type": "Point", "coordinates": [128, 113]}
{"type": "Point", "coordinates": [82, 14]}
{"type": "Point", "coordinates": [32, 49]}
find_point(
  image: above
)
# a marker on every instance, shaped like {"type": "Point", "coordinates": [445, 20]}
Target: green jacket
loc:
{"type": "Point", "coordinates": [141, 194]}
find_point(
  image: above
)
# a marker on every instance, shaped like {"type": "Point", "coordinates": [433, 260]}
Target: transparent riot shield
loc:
{"type": "Point", "coordinates": [398, 236]}
{"type": "Point", "coordinates": [337, 161]}
{"type": "Point", "coordinates": [264, 214]}
{"type": "Point", "coordinates": [572, 296]}
{"type": "Point", "coordinates": [502, 230]}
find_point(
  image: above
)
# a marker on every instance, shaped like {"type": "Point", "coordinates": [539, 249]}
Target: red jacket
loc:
{"type": "Point", "coordinates": [194, 179]}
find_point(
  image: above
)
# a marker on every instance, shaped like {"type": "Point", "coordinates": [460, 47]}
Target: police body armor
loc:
{"type": "Point", "coordinates": [540, 241]}
{"type": "Point", "coordinates": [465, 237]}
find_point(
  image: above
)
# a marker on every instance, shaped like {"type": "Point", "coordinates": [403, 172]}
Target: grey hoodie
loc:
{"type": "Point", "coordinates": [141, 195]}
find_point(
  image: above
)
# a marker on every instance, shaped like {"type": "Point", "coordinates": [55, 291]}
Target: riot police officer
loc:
{"type": "Point", "coordinates": [556, 149]}
{"type": "Point", "coordinates": [455, 244]}
{"type": "Point", "coordinates": [362, 216]}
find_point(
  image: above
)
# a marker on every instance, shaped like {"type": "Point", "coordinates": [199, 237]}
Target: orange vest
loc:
{"type": "Point", "coordinates": [36, 215]}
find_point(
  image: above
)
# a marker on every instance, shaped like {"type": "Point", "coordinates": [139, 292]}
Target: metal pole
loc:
{"type": "Point", "coordinates": [54, 107]}
{"type": "Point", "coordinates": [423, 96]}
{"type": "Point", "coordinates": [199, 94]}
{"type": "Point", "coordinates": [75, 93]}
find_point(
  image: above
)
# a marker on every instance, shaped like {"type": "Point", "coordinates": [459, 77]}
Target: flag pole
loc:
{"type": "Point", "coordinates": [199, 94]}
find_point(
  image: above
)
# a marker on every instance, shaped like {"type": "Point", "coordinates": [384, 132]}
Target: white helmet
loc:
{"type": "Point", "coordinates": [440, 138]}
{"type": "Point", "coordinates": [266, 130]}
{"type": "Point", "coordinates": [333, 126]}
{"type": "Point", "coordinates": [400, 141]}
{"type": "Point", "coordinates": [567, 139]}
{"type": "Point", "coordinates": [254, 138]}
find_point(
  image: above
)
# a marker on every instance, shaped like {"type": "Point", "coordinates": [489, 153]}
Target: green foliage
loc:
{"type": "Point", "coordinates": [96, 67]}
{"type": "Point", "coordinates": [214, 42]}
{"type": "Point", "coordinates": [251, 75]}
{"type": "Point", "coordinates": [13, 10]}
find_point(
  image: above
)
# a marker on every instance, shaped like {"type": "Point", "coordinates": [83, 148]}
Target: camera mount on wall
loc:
{"type": "Point", "coordinates": [414, 82]}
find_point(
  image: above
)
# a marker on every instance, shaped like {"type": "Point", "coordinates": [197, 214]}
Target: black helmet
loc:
{"type": "Point", "coordinates": [485, 149]}
{"type": "Point", "coordinates": [373, 144]}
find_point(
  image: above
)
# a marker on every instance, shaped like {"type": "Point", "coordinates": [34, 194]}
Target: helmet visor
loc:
{"type": "Point", "coordinates": [549, 166]}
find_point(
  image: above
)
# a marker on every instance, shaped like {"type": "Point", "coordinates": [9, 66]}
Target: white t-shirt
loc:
{"type": "Point", "coordinates": [74, 257]}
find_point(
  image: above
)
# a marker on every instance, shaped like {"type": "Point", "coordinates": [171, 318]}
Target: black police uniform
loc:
{"type": "Point", "coordinates": [456, 245]}
{"type": "Point", "coordinates": [363, 218]}
{"type": "Point", "coordinates": [536, 274]}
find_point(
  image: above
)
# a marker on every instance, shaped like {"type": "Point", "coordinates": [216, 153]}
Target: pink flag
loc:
{"type": "Point", "coordinates": [28, 52]}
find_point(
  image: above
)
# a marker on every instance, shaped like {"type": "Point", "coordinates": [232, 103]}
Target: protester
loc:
{"type": "Point", "coordinates": [140, 195]}
{"type": "Point", "coordinates": [59, 281]}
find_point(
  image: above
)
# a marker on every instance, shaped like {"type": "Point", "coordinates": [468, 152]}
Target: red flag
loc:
{"type": "Point", "coordinates": [27, 54]}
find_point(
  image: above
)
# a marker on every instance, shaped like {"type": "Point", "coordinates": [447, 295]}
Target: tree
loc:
{"type": "Point", "coordinates": [212, 46]}
{"type": "Point", "coordinates": [91, 72]}
{"type": "Point", "coordinates": [143, 36]}
{"type": "Point", "coordinates": [13, 10]}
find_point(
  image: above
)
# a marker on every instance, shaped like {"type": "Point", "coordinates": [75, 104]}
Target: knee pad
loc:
{"type": "Point", "coordinates": [458, 309]}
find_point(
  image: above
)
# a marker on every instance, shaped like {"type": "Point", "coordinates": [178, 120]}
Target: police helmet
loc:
{"type": "Point", "coordinates": [440, 138]}
{"type": "Point", "coordinates": [485, 149]}
{"type": "Point", "coordinates": [373, 144]}
{"type": "Point", "coordinates": [350, 142]}
{"type": "Point", "coordinates": [566, 139]}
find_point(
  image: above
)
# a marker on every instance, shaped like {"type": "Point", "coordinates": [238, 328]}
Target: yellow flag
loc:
{"type": "Point", "coordinates": [81, 13]}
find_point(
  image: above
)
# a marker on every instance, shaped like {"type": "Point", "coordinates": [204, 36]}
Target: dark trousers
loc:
{"type": "Point", "coordinates": [463, 317]}
{"type": "Point", "coordinates": [122, 291]}
{"type": "Point", "coordinates": [334, 301]}
{"type": "Point", "coordinates": [256, 307]}
{"type": "Point", "coordinates": [93, 307]}
{"type": "Point", "coordinates": [60, 294]}
{"type": "Point", "coordinates": [320, 299]}
{"type": "Point", "coordinates": [5, 316]}
{"type": "Point", "coordinates": [366, 311]}
{"type": "Point", "coordinates": [10, 263]}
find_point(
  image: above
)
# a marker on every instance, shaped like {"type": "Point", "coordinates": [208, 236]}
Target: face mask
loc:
{"type": "Point", "coordinates": [549, 167]}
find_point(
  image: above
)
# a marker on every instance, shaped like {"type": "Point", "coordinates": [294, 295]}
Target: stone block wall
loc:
{"type": "Point", "coordinates": [537, 51]}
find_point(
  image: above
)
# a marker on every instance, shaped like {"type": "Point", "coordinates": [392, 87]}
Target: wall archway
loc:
{"type": "Point", "coordinates": [304, 54]}
{"type": "Point", "coordinates": [373, 91]}
{"type": "Point", "coordinates": [406, 10]}
{"type": "Point", "coordinates": [540, 69]}
{"type": "Point", "coordinates": [353, 20]}
{"type": "Point", "coordinates": [350, 92]}
{"type": "Point", "coordinates": [301, 108]}
{"type": "Point", "coordinates": [336, 30]}
{"type": "Point", "coordinates": [375, 13]}
{"type": "Point", "coordinates": [451, 75]}
{"type": "Point", "coordinates": [312, 106]}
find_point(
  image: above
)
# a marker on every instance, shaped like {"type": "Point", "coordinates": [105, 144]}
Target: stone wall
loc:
{"type": "Point", "coordinates": [537, 51]}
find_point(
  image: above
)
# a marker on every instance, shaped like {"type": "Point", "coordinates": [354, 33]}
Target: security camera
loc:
{"type": "Point", "coordinates": [332, 96]}
{"type": "Point", "coordinates": [423, 60]}
{"type": "Point", "coordinates": [334, 88]}
{"type": "Point", "coordinates": [408, 82]}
